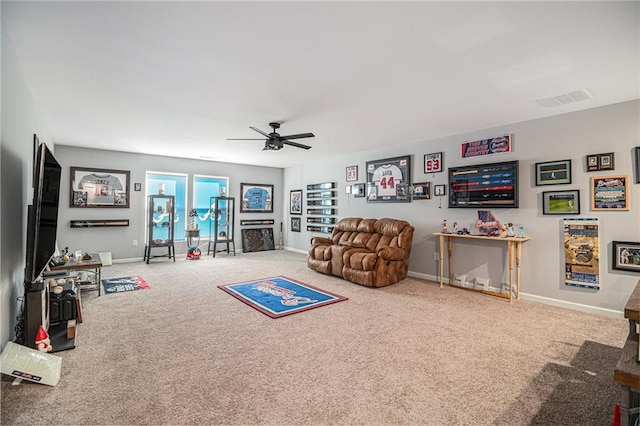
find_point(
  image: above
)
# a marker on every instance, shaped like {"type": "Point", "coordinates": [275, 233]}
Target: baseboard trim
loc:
{"type": "Point", "coordinates": [295, 250]}
{"type": "Point", "coordinates": [541, 299]}
{"type": "Point", "coordinates": [129, 260]}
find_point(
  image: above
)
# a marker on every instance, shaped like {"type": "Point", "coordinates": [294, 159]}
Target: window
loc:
{"type": "Point", "coordinates": [204, 188]}
{"type": "Point", "coordinates": [171, 184]}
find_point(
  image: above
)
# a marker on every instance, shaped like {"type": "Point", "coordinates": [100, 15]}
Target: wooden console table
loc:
{"type": "Point", "coordinates": [627, 372]}
{"type": "Point", "coordinates": [514, 247]}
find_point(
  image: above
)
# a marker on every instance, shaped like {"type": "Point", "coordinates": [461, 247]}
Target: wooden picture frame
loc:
{"type": "Point", "coordinates": [352, 173]}
{"type": "Point", "coordinates": [422, 191]}
{"type": "Point", "coordinates": [561, 202]}
{"type": "Point", "coordinates": [610, 192]}
{"type": "Point", "coordinates": [598, 162]}
{"type": "Point", "coordinates": [626, 256]}
{"type": "Point", "coordinates": [256, 198]}
{"type": "Point", "coordinates": [295, 201]}
{"type": "Point", "coordinates": [93, 187]}
{"type": "Point", "coordinates": [553, 173]}
{"type": "Point", "coordinates": [388, 180]}
{"type": "Point", "coordinates": [433, 162]}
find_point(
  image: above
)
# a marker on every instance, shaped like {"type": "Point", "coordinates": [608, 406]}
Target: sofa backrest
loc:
{"type": "Point", "coordinates": [373, 233]}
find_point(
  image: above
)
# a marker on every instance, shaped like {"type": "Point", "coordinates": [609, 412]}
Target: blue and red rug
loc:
{"type": "Point", "coordinates": [280, 296]}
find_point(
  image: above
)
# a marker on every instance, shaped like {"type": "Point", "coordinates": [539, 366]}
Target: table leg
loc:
{"type": "Point", "coordinates": [450, 260]}
{"type": "Point", "coordinates": [518, 254]}
{"type": "Point", "coordinates": [511, 243]}
{"type": "Point", "coordinates": [441, 259]}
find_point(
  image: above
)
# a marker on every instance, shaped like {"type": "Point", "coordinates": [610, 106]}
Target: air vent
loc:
{"type": "Point", "coordinates": [567, 98]}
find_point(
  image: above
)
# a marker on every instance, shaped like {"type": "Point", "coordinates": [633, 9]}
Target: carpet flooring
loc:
{"type": "Point", "coordinates": [183, 353]}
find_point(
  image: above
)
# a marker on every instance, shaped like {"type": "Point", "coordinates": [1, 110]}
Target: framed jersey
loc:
{"type": "Point", "coordinates": [99, 187]}
{"type": "Point", "coordinates": [388, 180]}
{"type": "Point", "coordinates": [256, 198]}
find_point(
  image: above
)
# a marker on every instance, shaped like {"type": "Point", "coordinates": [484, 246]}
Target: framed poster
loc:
{"type": "Point", "coordinates": [295, 202]}
{"type": "Point", "coordinates": [422, 191]}
{"type": "Point", "coordinates": [626, 256]}
{"type": "Point", "coordinates": [433, 162]}
{"type": "Point", "coordinates": [484, 185]}
{"type": "Point", "coordinates": [498, 145]}
{"type": "Point", "coordinates": [636, 151]}
{"type": "Point", "coordinates": [256, 198]}
{"type": "Point", "coordinates": [439, 190]}
{"type": "Point", "coordinates": [388, 180]}
{"type": "Point", "coordinates": [352, 173]}
{"type": "Point", "coordinates": [561, 202]}
{"type": "Point", "coordinates": [295, 224]}
{"type": "Point", "coordinates": [610, 192]}
{"type": "Point", "coordinates": [99, 187]}
{"type": "Point", "coordinates": [357, 189]}
{"type": "Point", "coordinates": [553, 173]}
{"type": "Point", "coordinates": [582, 252]}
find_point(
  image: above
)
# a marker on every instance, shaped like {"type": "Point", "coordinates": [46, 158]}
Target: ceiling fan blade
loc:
{"type": "Point", "coordinates": [297, 145]}
{"type": "Point", "coordinates": [259, 131]}
{"type": "Point", "coordinates": [299, 136]}
{"type": "Point", "coordinates": [234, 139]}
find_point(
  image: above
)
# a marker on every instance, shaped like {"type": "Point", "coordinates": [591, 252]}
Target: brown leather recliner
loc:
{"type": "Point", "coordinates": [370, 252]}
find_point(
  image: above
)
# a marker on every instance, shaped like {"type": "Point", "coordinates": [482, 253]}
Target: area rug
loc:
{"type": "Point", "coordinates": [120, 285]}
{"type": "Point", "coordinates": [280, 296]}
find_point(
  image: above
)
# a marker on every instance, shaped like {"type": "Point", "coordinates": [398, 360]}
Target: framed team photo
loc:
{"type": "Point", "coordinates": [388, 180]}
{"type": "Point", "coordinates": [256, 198]}
{"type": "Point", "coordinates": [99, 187]}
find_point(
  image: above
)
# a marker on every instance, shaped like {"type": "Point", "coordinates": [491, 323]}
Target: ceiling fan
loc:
{"type": "Point", "coordinates": [275, 142]}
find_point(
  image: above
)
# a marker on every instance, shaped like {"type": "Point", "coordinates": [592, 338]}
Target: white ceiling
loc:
{"type": "Point", "coordinates": [178, 78]}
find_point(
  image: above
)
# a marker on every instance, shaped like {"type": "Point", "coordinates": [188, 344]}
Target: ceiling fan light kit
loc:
{"type": "Point", "coordinates": [275, 142]}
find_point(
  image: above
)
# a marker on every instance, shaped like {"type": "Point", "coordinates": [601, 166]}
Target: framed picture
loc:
{"type": "Point", "coordinates": [553, 173]}
{"type": "Point", "coordinates": [422, 191]}
{"type": "Point", "coordinates": [561, 202]}
{"type": "Point", "coordinates": [388, 180]}
{"type": "Point", "coordinates": [295, 224]}
{"type": "Point", "coordinates": [357, 189]}
{"type": "Point", "coordinates": [99, 187]}
{"type": "Point", "coordinates": [626, 256]}
{"type": "Point", "coordinates": [137, 186]}
{"type": "Point", "coordinates": [497, 145]}
{"type": "Point", "coordinates": [610, 193]}
{"type": "Point", "coordinates": [295, 205]}
{"type": "Point", "coordinates": [597, 162]}
{"type": "Point", "coordinates": [484, 185]}
{"type": "Point", "coordinates": [606, 161]}
{"type": "Point", "coordinates": [433, 162]}
{"type": "Point", "coordinates": [256, 198]}
{"type": "Point", "coordinates": [352, 173]}
{"type": "Point", "coordinates": [439, 190]}
{"type": "Point", "coordinates": [636, 151]}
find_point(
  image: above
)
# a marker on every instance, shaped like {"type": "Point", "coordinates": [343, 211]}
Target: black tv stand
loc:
{"type": "Point", "coordinates": [58, 337]}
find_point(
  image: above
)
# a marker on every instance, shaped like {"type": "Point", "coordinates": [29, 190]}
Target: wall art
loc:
{"type": "Point", "coordinates": [561, 202]}
{"type": "Point", "coordinates": [422, 191]}
{"type": "Point", "coordinates": [388, 180]}
{"type": "Point", "coordinates": [295, 201]}
{"type": "Point", "coordinates": [610, 192]}
{"type": "Point", "coordinates": [582, 252]}
{"type": "Point", "coordinates": [433, 162]}
{"type": "Point", "coordinates": [256, 198]}
{"type": "Point", "coordinates": [553, 173]}
{"type": "Point", "coordinates": [626, 256]}
{"type": "Point", "coordinates": [99, 187]}
{"type": "Point", "coordinates": [352, 173]}
{"type": "Point", "coordinates": [498, 145]}
{"type": "Point", "coordinates": [484, 185]}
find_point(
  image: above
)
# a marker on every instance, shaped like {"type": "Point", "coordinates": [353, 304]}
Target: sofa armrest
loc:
{"type": "Point", "coordinates": [321, 240]}
{"type": "Point", "coordinates": [392, 253]}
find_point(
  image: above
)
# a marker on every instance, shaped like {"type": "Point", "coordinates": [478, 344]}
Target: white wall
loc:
{"type": "Point", "coordinates": [613, 128]}
{"type": "Point", "coordinates": [20, 120]}
{"type": "Point", "coordinates": [118, 240]}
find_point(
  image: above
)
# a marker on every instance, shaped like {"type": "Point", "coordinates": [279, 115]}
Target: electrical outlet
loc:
{"type": "Point", "coordinates": [134, 243]}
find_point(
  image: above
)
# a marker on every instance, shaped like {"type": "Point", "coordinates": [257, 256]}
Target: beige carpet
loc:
{"type": "Point", "coordinates": [185, 352]}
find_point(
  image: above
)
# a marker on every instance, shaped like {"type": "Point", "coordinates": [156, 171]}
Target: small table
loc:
{"type": "Point", "coordinates": [514, 245]}
{"type": "Point", "coordinates": [92, 265]}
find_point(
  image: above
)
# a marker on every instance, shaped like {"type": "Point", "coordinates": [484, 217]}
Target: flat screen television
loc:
{"type": "Point", "coordinates": [484, 185]}
{"type": "Point", "coordinates": [42, 222]}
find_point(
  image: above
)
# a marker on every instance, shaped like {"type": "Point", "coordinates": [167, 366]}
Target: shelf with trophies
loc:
{"type": "Point", "coordinates": [221, 229]}
{"type": "Point", "coordinates": [160, 226]}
